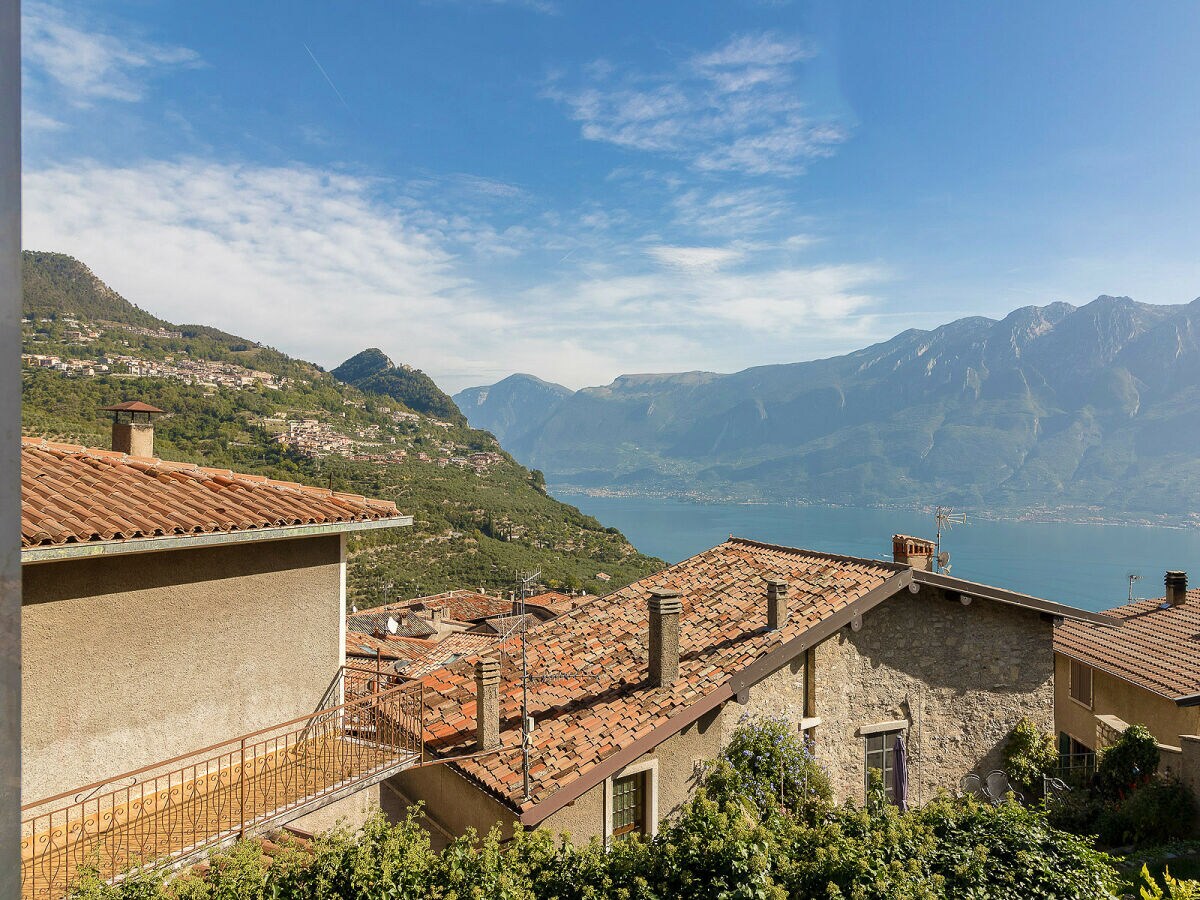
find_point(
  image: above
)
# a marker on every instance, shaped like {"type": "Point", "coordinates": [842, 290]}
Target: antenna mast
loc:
{"type": "Point", "coordinates": [1132, 578]}
{"type": "Point", "coordinates": [946, 518]}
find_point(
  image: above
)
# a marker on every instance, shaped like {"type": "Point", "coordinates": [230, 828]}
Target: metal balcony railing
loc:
{"type": "Point", "coordinates": [168, 812]}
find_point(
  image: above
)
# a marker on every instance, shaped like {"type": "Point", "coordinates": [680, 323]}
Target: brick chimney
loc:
{"type": "Point", "coordinates": [487, 703]}
{"type": "Point", "coordinates": [777, 603]}
{"type": "Point", "coordinates": [1176, 584]}
{"type": "Point", "coordinates": [913, 551]}
{"type": "Point", "coordinates": [133, 427]}
{"type": "Point", "coordinates": [665, 608]}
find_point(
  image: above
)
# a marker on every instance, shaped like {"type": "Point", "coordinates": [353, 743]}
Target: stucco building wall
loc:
{"type": "Point", "coordinates": [453, 803]}
{"type": "Point", "coordinates": [1116, 697]}
{"type": "Point", "coordinates": [134, 659]}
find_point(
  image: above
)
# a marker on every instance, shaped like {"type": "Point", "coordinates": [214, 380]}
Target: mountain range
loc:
{"type": "Point", "coordinates": [1090, 411]}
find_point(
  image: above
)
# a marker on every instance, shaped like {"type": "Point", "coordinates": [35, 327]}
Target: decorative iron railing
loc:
{"type": "Point", "coordinates": [168, 811]}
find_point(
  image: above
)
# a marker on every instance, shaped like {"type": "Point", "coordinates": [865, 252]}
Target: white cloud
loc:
{"type": "Point", "coordinates": [733, 109]}
{"type": "Point", "coordinates": [89, 65]}
{"type": "Point", "coordinates": [319, 265]}
{"type": "Point", "coordinates": [704, 259]}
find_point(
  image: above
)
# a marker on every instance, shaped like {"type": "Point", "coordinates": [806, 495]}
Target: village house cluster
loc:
{"type": "Point", "coordinates": [591, 715]}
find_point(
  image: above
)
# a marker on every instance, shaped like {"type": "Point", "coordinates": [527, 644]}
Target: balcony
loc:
{"type": "Point", "coordinates": [171, 812]}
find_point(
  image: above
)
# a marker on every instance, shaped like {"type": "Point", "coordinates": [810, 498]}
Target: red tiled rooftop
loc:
{"type": "Point", "coordinates": [465, 606]}
{"type": "Point", "coordinates": [402, 648]}
{"type": "Point", "coordinates": [72, 494]}
{"type": "Point", "coordinates": [600, 702]}
{"type": "Point", "coordinates": [1155, 648]}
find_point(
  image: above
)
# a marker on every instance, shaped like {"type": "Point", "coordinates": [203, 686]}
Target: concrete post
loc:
{"type": "Point", "coordinates": [10, 449]}
{"type": "Point", "coordinates": [487, 703]}
{"type": "Point", "coordinates": [665, 608]}
{"type": "Point", "coordinates": [777, 603]}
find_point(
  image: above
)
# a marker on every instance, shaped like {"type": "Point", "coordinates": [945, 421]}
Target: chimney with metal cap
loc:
{"type": "Point", "coordinates": [487, 703]}
{"type": "Point", "coordinates": [133, 427]}
{"type": "Point", "coordinates": [777, 603]}
{"type": "Point", "coordinates": [1176, 583]}
{"type": "Point", "coordinates": [665, 608]}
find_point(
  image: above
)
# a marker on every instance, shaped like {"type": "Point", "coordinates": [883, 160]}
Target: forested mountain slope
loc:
{"type": "Point", "coordinates": [232, 402]}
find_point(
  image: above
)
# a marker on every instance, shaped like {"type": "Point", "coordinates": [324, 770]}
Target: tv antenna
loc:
{"type": "Point", "coordinates": [525, 588]}
{"type": "Point", "coordinates": [1132, 576]}
{"type": "Point", "coordinates": [946, 519]}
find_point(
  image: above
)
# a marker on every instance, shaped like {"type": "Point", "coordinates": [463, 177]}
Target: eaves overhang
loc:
{"type": "Point", "coordinates": [96, 549]}
{"type": "Point", "coordinates": [1000, 595]}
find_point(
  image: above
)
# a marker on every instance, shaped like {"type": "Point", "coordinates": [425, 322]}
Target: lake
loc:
{"type": "Point", "coordinates": [1083, 565]}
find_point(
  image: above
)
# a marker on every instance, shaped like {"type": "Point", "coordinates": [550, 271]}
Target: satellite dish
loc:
{"type": "Point", "coordinates": [353, 608]}
{"type": "Point", "coordinates": [943, 558]}
{"type": "Point", "coordinates": [393, 625]}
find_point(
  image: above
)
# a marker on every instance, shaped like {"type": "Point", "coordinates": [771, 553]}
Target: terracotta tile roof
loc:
{"type": "Point", "coordinates": [402, 648]}
{"type": "Point", "coordinates": [375, 621]}
{"type": "Point", "coordinates": [455, 648]}
{"type": "Point", "coordinates": [465, 606]}
{"type": "Point", "coordinates": [72, 494]}
{"type": "Point", "coordinates": [1154, 648]}
{"type": "Point", "coordinates": [558, 602]}
{"type": "Point", "coordinates": [601, 702]}
{"type": "Point", "coordinates": [507, 624]}
{"type": "Point", "coordinates": [132, 406]}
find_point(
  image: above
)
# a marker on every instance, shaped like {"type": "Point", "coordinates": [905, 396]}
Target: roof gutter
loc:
{"type": "Point", "coordinates": [1188, 700]}
{"type": "Point", "coordinates": [999, 595]}
{"type": "Point", "coordinates": [753, 673]}
{"type": "Point", "coordinates": [93, 549]}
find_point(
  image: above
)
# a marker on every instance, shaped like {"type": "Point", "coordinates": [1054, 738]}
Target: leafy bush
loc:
{"type": "Point", "coordinates": [1029, 754]}
{"type": "Point", "coordinates": [1156, 812]}
{"type": "Point", "coordinates": [767, 764]}
{"type": "Point", "coordinates": [1132, 760]}
{"type": "Point", "coordinates": [1174, 890]}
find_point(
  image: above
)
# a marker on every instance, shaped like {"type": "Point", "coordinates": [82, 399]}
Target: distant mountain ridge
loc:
{"type": "Point", "coordinates": [1094, 410]}
{"type": "Point", "coordinates": [512, 407]}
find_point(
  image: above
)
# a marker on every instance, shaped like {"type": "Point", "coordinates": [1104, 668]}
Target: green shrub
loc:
{"type": "Point", "coordinates": [1171, 889]}
{"type": "Point", "coordinates": [1159, 811]}
{"type": "Point", "coordinates": [1029, 754]}
{"type": "Point", "coordinates": [767, 764]}
{"type": "Point", "coordinates": [1132, 760]}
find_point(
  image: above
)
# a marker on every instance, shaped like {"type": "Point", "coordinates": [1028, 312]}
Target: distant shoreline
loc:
{"type": "Point", "coordinates": [1060, 516]}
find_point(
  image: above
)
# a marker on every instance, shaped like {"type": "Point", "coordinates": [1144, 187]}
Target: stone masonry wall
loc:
{"type": "Point", "coordinates": [959, 676]}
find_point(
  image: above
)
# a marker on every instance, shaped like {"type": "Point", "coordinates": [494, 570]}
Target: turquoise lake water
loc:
{"type": "Point", "coordinates": [1083, 565]}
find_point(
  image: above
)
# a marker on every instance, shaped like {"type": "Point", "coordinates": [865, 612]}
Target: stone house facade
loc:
{"type": "Point", "coordinates": [850, 652]}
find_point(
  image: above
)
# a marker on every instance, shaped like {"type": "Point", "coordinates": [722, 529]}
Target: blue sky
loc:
{"type": "Point", "coordinates": [580, 190]}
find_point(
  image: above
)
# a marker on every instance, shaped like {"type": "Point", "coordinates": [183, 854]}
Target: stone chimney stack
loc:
{"type": "Point", "coordinates": [133, 427]}
{"type": "Point", "coordinates": [913, 551]}
{"type": "Point", "coordinates": [777, 603]}
{"type": "Point", "coordinates": [1176, 583]}
{"type": "Point", "coordinates": [665, 608]}
{"type": "Point", "coordinates": [487, 703]}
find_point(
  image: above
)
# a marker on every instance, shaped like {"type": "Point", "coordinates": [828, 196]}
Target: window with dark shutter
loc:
{"type": "Point", "coordinates": [879, 754]}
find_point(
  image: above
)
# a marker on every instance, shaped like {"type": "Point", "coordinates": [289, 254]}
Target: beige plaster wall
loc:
{"type": "Point", "coordinates": [349, 812]}
{"type": "Point", "coordinates": [1117, 697]}
{"type": "Point", "coordinates": [135, 659]}
{"type": "Point", "coordinates": [453, 803]}
{"type": "Point", "coordinates": [961, 676]}
{"type": "Point", "coordinates": [677, 780]}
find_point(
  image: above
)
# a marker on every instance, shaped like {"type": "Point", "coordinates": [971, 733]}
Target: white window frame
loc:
{"type": "Point", "coordinates": [650, 767]}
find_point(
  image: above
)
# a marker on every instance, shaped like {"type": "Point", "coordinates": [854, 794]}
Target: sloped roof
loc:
{"type": "Point", "coordinates": [78, 495]}
{"type": "Point", "coordinates": [408, 623]}
{"type": "Point", "coordinates": [465, 606]}
{"type": "Point", "coordinates": [402, 648]}
{"type": "Point", "coordinates": [450, 650]}
{"type": "Point", "coordinates": [591, 703]}
{"type": "Point", "coordinates": [1155, 648]}
{"type": "Point", "coordinates": [507, 624]}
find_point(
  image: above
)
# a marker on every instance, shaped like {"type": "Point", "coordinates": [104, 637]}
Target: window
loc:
{"type": "Point", "coordinates": [1081, 683]}
{"type": "Point", "coordinates": [629, 805]}
{"type": "Point", "coordinates": [880, 754]}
